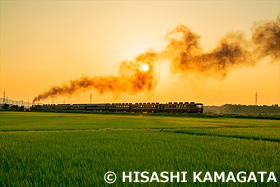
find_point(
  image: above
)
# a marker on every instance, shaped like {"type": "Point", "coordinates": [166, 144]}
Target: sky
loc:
{"type": "Point", "coordinates": [49, 43]}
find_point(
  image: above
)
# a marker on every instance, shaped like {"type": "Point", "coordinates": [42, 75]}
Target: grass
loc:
{"type": "Point", "coordinates": [35, 121]}
{"type": "Point", "coordinates": [255, 133]}
{"type": "Point", "coordinates": [52, 149]}
{"type": "Point", "coordinates": [206, 114]}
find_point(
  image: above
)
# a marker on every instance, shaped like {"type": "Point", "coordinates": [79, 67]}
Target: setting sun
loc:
{"type": "Point", "coordinates": [145, 67]}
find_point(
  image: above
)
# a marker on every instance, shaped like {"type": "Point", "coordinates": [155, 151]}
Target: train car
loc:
{"type": "Point", "coordinates": [62, 107]}
{"type": "Point", "coordinates": [199, 107]}
{"type": "Point", "coordinates": [145, 107]}
{"type": "Point", "coordinates": [36, 107]}
{"type": "Point", "coordinates": [48, 107]}
{"type": "Point", "coordinates": [176, 107]}
{"type": "Point", "coordinates": [78, 107]}
{"type": "Point", "coordinates": [97, 107]}
{"type": "Point", "coordinates": [120, 107]}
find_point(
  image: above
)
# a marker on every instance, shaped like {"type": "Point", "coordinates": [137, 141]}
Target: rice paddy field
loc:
{"type": "Point", "coordinates": [61, 149]}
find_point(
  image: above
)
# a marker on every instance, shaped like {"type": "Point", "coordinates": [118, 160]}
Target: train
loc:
{"type": "Point", "coordinates": [171, 107]}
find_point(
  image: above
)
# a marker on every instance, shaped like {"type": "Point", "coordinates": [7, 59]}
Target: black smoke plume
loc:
{"type": "Point", "coordinates": [186, 56]}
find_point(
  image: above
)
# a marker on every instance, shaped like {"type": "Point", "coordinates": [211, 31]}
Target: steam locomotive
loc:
{"type": "Point", "coordinates": [127, 107]}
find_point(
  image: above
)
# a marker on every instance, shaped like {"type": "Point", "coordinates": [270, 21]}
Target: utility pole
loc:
{"type": "Point", "coordinates": [90, 98]}
{"type": "Point", "coordinates": [256, 98]}
{"type": "Point", "coordinates": [4, 96]}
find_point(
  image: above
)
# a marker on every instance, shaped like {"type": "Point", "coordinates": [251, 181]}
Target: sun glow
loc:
{"type": "Point", "coordinates": [145, 67]}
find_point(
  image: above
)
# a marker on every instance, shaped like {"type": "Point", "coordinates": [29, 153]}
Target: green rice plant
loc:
{"type": "Point", "coordinates": [82, 158]}
{"type": "Point", "coordinates": [58, 149]}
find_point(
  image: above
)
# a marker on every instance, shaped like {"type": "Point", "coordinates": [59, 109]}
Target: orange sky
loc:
{"type": "Point", "coordinates": [47, 43]}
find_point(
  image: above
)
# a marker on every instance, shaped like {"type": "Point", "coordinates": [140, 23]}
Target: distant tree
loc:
{"type": "Point", "coordinates": [21, 108]}
{"type": "Point", "coordinates": [14, 107]}
{"type": "Point", "coordinates": [5, 106]}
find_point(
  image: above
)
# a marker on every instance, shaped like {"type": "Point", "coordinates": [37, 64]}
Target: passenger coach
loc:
{"type": "Point", "coordinates": [171, 107]}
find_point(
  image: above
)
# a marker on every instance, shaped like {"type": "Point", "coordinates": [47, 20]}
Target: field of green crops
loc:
{"type": "Point", "coordinates": [57, 149]}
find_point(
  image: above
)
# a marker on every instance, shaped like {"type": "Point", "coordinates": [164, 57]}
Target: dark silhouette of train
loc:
{"type": "Point", "coordinates": [179, 107]}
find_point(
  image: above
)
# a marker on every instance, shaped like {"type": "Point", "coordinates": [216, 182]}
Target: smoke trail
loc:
{"type": "Point", "coordinates": [266, 39]}
{"type": "Point", "coordinates": [232, 51]}
{"type": "Point", "coordinates": [130, 79]}
{"type": "Point", "coordinates": [186, 56]}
